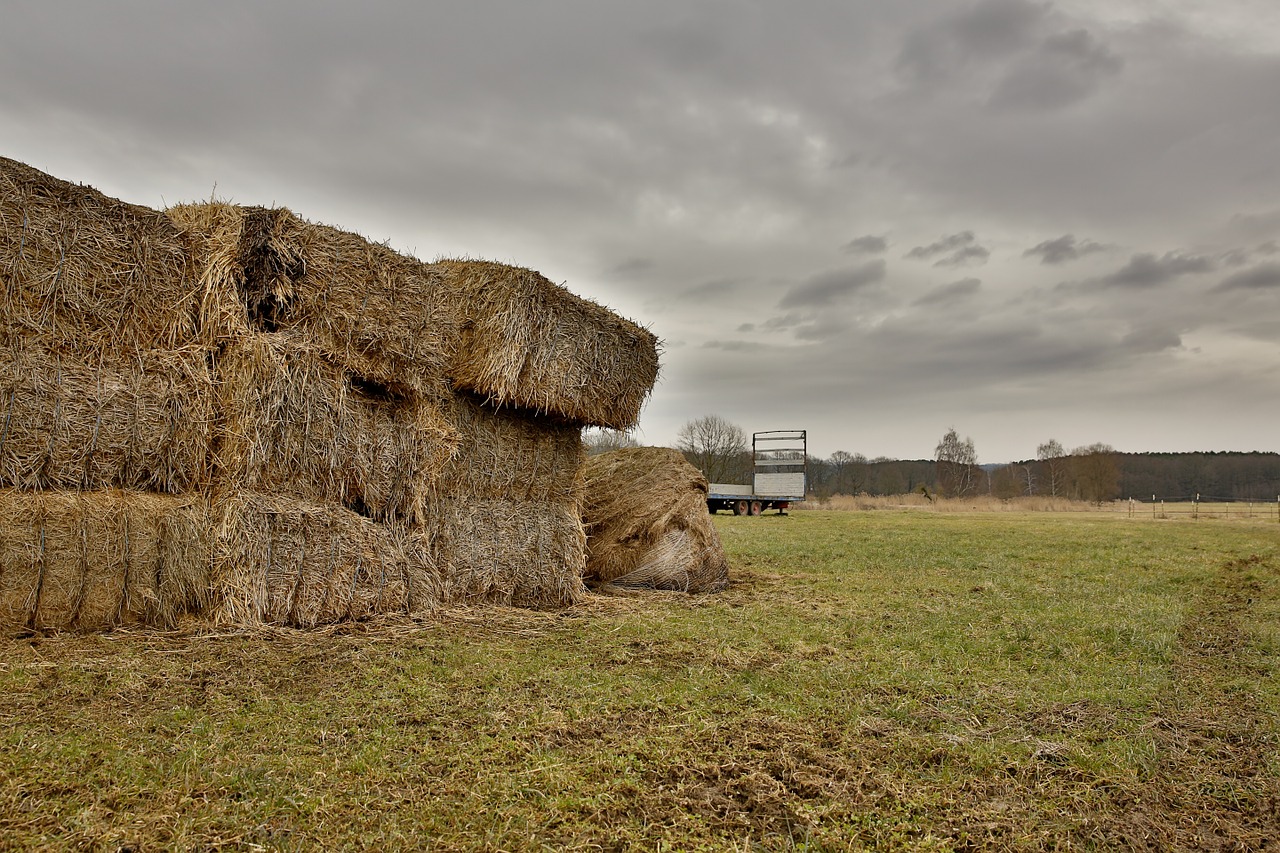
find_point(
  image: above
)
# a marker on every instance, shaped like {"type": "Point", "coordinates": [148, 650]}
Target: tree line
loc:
{"type": "Point", "coordinates": [1095, 472]}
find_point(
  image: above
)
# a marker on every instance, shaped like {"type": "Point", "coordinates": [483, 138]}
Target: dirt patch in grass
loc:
{"type": "Point", "coordinates": [1212, 788]}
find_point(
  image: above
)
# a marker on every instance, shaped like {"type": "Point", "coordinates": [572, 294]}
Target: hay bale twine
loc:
{"type": "Point", "coordinates": [93, 560]}
{"type": "Point", "coordinates": [509, 552]}
{"type": "Point", "coordinates": [284, 561]}
{"type": "Point", "coordinates": [647, 522]}
{"type": "Point", "coordinates": [296, 424]}
{"type": "Point", "coordinates": [529, 343]}
{"type": "Point", "coordinates": [90, 272]}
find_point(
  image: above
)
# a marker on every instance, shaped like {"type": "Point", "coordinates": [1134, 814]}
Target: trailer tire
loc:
{"type": "Point", "coordinates": [741, 508]}
{"type": "Point", "coordinates": [756, 509]}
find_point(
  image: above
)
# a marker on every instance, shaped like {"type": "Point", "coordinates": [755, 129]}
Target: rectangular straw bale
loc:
{"type": "Point", "coordinates": [512, 454]}
{"type": "Point", "coordinates": [72, 419]}
{"type": "Point", "coordinates": [90, 271]}
{"type": "Point", "coordinates": [297, 424]}
{"type": "Point", "coordinates": [529, 343]}
{"type": "Point", "coordinates": [284, 561]}
{"type": "Point", "coordinates": [368, 307]}
{"type": "Point", "coordinates": [521, 553]}
{"type": "Point", "coordinates": [92, 560]}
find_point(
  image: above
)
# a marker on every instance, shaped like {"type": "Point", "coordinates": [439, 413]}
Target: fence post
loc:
{"type": "Point", "coordinates": [1153, 506]}
{"type": "Point", "coordinates": [1195, 506]}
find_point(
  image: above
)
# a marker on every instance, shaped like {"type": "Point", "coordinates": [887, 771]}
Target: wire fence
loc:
{"type": "Point", "coordinates": [1201, 506]}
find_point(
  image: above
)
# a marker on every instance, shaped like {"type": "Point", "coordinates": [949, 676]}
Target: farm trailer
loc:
{"type": "Point", "coordinates": [781, 459]}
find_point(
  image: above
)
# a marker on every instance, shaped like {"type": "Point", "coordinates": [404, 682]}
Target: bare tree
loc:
{"type": "Point", "coordinates": [602, 440]}
{"type": "Point", "coordinates": [1029, 475]}
{"type": "Point", "coordinates": [714, 446]}
{"type": "Point", "coordinates": [1051, 454]}
{"type": "Point", "coordinates": [957, 465]}
{"type": "Point", "coordinates": [1097, 472]}
{"type": "Point", "coordinates": [848, 472]}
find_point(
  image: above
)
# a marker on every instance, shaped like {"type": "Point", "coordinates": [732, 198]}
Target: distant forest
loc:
{"type": "Point", "coordinates": [1096, 476]}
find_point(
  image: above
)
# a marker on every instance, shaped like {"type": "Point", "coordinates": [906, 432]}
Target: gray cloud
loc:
{"type": "Point", "coordinates": [950, 293]}
{"type": "Point", "coordinates": [783, 322]}
{"type": "Point", "coordinates": [968, 256]}
{"type": "Point", "coordinates": [1067, 67]}
{"type": "Point", "coordinates": [1261, 277]}
{"type": "Point", "coordinates": [734, 345]}
{"type": "Point", "coordinates": [1151, 339]}
{"type": "Point", "coordinates": [993, 28]}
{"type": "Point", "coordinates": [1146, 270]}
{"type": "Point", "coordinates": [715, 288]}
{"type": "Point", "coordinates": [1062, 249]}
{"type": "Point", "coordinates": [1252, 227]}
{"type": "Point", "coordinates": [824, 327]}
{"type": "Point", "coordinates": [633, 266]}
{"type": "Point", "coordinates": [946, 244]}
{"type": "Point", "coordinates": [824, 288]}
{"type": "Point", "coordinates": [868, 245]}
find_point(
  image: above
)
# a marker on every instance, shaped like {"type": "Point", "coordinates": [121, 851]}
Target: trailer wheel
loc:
{"type": "Point", "coordinates": [740, 508]}
{"type": "Point", "coordinates": [755, 508]}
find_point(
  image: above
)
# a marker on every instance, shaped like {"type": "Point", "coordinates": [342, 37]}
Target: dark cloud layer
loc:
{"type": "Point", "coordinates": [954, 242]}
{"type": "Point", "coordinates": [868, 245]}
{"type": "Point", "coordinates": [1063, 249]}
{"type": "Point", "coordinates": [1147, 270]}
{"type": "Point", "coordinates": [821, 290]}
{"type": "Point", "coordinates": [1261, 277]}
{"type": "Point", "coordinates": [949, 294]}
{"type": "Point", "coordinates": [733, 175]}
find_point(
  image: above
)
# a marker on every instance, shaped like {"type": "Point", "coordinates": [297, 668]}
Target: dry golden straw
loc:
{"type": "Point", "coordinates": [529, 343]}
{"type": "Point", "coordinates": [296, 424]}
{"type": "Point", "coordinates": [511, 454]}
{"type": "Point", "coordinates": [233, 410]}
{"type": "Point", "coordinates": [367, 307]}
{"type": "Point", "coordinates": [70, 419]}
{"type": "Point", "coordinates": [88, 272]}
{"type": "Point", "coordinates": [523, 553]}
{"type": "Point", "coordinates": [647, 522]}
{"type": "Point", "coordinates": [91, 560]}
{"type": "Point", "coordinates": [284, 561]}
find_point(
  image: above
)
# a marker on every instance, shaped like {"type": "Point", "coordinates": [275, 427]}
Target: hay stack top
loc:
{"type": "Point", "coordinates": [529, 343]}
{"type": "Point", "coordinates": [502, 332]}
{"type": "Point", "coordinates": [90, 273]}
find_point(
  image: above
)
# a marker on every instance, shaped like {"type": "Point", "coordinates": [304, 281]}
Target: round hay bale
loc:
{"type": "Point", "coordinates": [647, 523]}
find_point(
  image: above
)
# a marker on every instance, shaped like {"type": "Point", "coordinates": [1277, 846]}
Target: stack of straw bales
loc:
{"type": "Point", "coordinates": [312, 427]}
{"type": "Point", "coordinates": [648, 525]}
{"type": "Point", "coordinates": [105, 411]}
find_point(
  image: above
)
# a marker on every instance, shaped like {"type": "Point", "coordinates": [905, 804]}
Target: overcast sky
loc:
{"type": "Point", "coordinates": [871, 220]}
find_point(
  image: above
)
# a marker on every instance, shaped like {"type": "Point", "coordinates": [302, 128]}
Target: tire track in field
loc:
{"type": "Point", "coordinates": [1213, 789]}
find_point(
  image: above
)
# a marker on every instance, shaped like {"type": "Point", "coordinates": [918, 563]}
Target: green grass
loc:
{"type": "Point", "coordinates": [887, 680]}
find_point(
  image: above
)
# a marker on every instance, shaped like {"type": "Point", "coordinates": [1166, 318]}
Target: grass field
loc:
{"type": "Point", "coordinates": [907, 680]}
